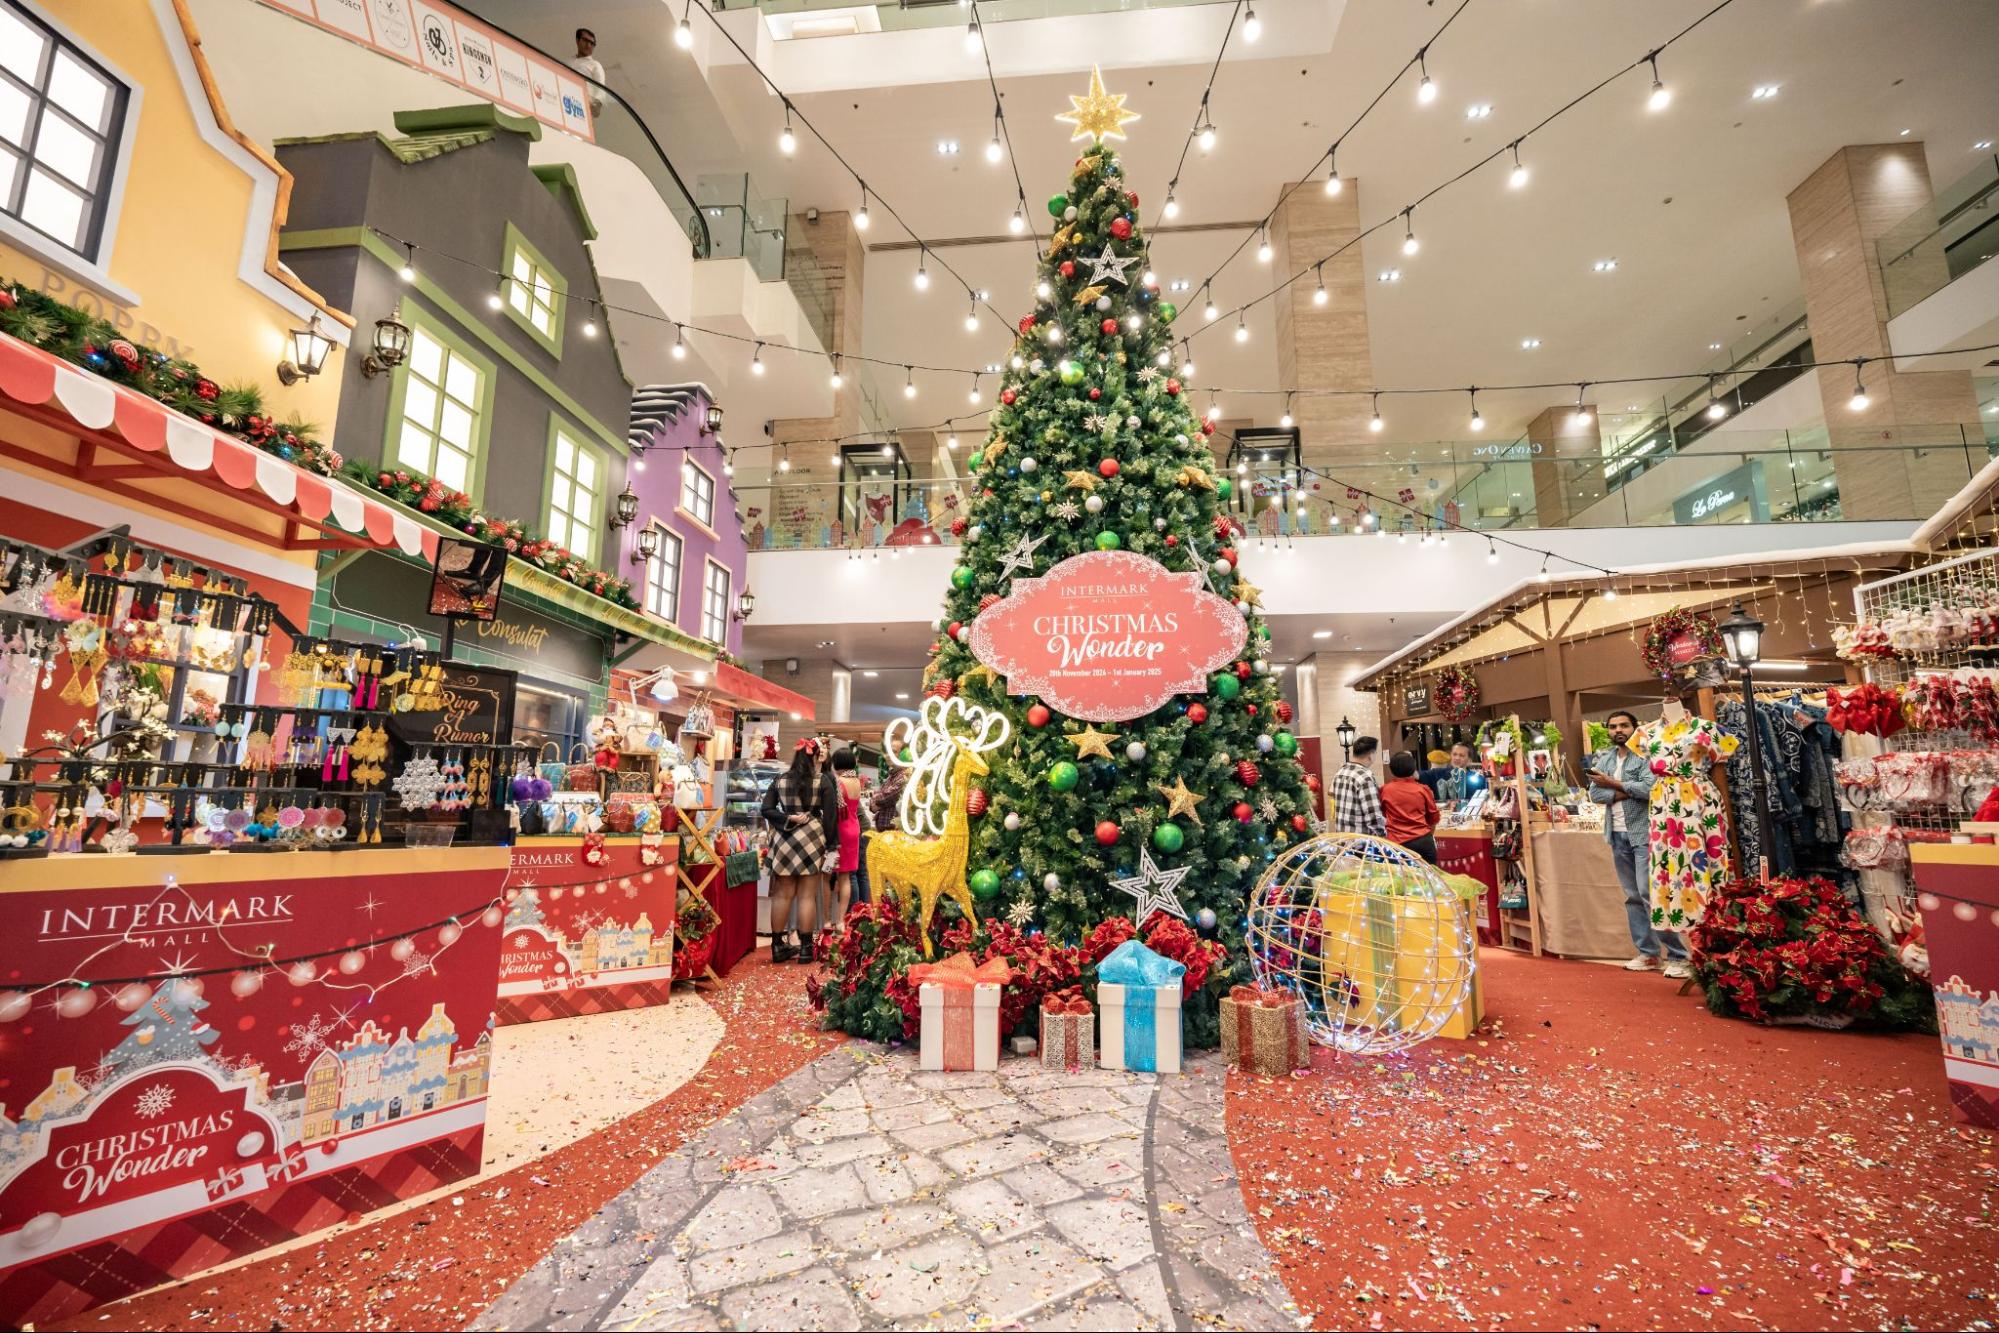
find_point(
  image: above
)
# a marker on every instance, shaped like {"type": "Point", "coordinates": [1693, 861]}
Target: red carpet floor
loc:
{"type": "Point", "coordinates": [437, 1266]}
{"type": "Point", "coordinates": [1610, 1155]}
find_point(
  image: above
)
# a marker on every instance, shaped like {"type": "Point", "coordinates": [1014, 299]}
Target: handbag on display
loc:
{"type": "Point", "coordinates": [686, 788]}
{"type": "Point", "coordinates": [533, 825]}
{"type": "Point", "coordinates": [549, 767]}
{"type": "Point", "coordinates": [581, 773]}
{"type": "Point", "coordinates": [621, 816]}
{"type": "Point", "coordinates": [634, 782]}
{"type": "Point", "coordinates": [1506, 841]}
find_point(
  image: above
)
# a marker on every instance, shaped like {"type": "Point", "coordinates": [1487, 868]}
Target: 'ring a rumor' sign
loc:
{"type": "Point", "coordinates": [1108, 635]}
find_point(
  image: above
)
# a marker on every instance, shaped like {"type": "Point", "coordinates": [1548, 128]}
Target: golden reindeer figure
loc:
{"type": "Point", "coordinates": [931, 803]}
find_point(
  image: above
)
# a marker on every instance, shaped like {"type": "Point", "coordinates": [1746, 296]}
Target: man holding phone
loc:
{"type": "Point", "coordinates": [1621, 780]}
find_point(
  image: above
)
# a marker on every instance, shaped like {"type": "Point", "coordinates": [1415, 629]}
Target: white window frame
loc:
{"type": "Point", "coordinates": [709, 630]}
{"type": "Point", "coordinates": [93, 269]}
{"type": "Point", "coordinates": [585, 520]}
{"type": "Point", "coordinates": [688, 470]}
{"type": "Point", "coordinates": [662, 599]}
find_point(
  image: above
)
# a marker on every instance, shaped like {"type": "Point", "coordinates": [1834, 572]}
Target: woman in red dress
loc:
{"type": "Point", "coordinates": [849, 782]}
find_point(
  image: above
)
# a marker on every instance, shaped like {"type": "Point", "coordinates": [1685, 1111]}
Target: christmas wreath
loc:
{"type": "Point", "coordinates": [1657, 651]}
{"type": "Point", "coordinates": [82, 339]}
{"type": "Point", "coordinates": [1456, 693]}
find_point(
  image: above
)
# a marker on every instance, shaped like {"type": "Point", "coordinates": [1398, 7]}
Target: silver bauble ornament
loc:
{"type": "Point", "coordinates": [1029, 464]}
{"type": "Point", "coordinates": [1051, 881]}
{"type": "Point", "coordinates": [1095, 504]}
{"type": "Point", "coordinates": [1012, 821]}
{"type": "Point", "coordinates": [1135, 752]}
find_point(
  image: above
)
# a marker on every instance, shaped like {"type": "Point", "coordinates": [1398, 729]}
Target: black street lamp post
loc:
{"type": "Point", "coordinates": [1742, 636]}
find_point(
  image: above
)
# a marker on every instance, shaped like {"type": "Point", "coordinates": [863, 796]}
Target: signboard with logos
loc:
{"type": "Point", "coordinates": [1717, 500]}
{"type": "Point", "coordinates": [443, 41]}
{"type": "Point", "coordinates": [1109, 635]}
{"type": "Point", "coordinates": [589, 926]}
{"type": "Point", "coordinates": [395, 591]}
{"type": "Point", "coordinates": [216, 1106]}
{"type": "Point", "coordinates": [1416, 698]}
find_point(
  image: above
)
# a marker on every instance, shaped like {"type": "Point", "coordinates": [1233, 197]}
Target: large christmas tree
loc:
{"type": "Point", "coordinates": [1093, 447]}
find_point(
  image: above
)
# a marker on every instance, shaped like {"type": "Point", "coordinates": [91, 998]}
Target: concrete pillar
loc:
{"type": "Point", "coordinates": [1324, 676]}
{"type": "Point", "coordinates": [831, 280]}
{"type": "Point", "coordinates": [1837, 215]}
{"type": "Point", "coordinates": [1324, 346]}
{"type": "Point", "coordinates": [1558, 447]}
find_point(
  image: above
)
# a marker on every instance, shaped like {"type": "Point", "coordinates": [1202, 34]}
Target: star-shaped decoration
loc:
{"type": "Point", "coordinates": [1021, 913]}
{"type": "Point", "coordinates": [1089, 294]}
{"type": "Point", "coordinates": [1095, 421]}
{"type": "Point", "coordinates": [1147, 374]}
{"type": "Point", "coordinates": [1099, 115]}
{"type": "Point", "coordinates": [930, 672]}
{"type": "Point", "coordinates": [995, 447]}
{"type": "Point", "coordinates": [1180, 801]}
{"type": "Point", "coordinates": [981, 671]}
{"type": "Point", "coordinates": [1089, 741]}
{"type": "Point", "coordinates": [1066, 510]}
{"type": "Point", "coordinates": [1267, 808]}
{"type": "Point", "coordinates": [1080, 478]}
{"type": "Point", "coordinates": [1250, 594]}
{"type": "Point", "coordinates": [1107, 267]}
{"type": "Point", "coordinates": [1194, 476]}
{"type": "Point", "coordinates": [1022, 555]}
{"type": "Point", "coordinates": [1153, 888]}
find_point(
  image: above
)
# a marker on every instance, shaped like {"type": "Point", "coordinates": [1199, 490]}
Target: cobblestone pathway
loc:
{"type": "Point", "coordinates": [860, 1193]}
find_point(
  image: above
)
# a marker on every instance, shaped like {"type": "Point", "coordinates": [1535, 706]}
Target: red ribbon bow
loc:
{"type": "Point", "coordinates": [958, 972]}
{"type": "Point", "coordinates": [1067, 1001]}
{"type": "Point", "coordinates": [1272, 997]}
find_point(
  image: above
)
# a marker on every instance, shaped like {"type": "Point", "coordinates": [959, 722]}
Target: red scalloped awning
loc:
{"type": "Point", "coordinates": [180, 445]}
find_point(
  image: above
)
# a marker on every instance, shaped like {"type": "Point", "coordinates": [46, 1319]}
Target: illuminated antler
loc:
{"type": "Point", "coordinates": [940, 729]}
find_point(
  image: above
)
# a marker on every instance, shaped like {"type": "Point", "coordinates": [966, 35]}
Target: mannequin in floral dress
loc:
{"type": "Point", "coordinates": [1687, 844]}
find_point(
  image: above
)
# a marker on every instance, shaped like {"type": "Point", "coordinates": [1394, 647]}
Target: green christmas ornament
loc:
{"type": "Point", "coordinates": [977, 459]}
{"type": "Point", "coordinates": [1285, 743]}
{"type": "Point", "coordinates": [1167, 310]}
{"type": "Point", "coordinates": [1058, 204]}
{"type": "Point", "coordinates": [1063, 776]}
{"type": "Point", "coordinates": [1108, 541]}
{"type": "Point", "coordinates": [1224, 488]}
{"type": "Point", "coordinates": [1069, 372]}
{"type": "Point", "coordinates": [961, 577]}
{"type": "Point", "coordinates": [1227, 686]}
{"type": "Point", "coordinates": [985, 885]}
{"type": "Point", "coordinates": [1168, 838]}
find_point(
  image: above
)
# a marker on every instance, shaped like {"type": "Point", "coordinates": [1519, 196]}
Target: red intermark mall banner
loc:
{"type": "Point", "coordinates": [1108, 636]}
{"type": "Point", "coordinates": [269, 1044]}
{"type": "Point", "coordinates": [589, 926]}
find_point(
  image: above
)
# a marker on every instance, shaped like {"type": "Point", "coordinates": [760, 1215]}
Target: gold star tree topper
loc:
{"type": "Point", "coordinates": [1100, 115]}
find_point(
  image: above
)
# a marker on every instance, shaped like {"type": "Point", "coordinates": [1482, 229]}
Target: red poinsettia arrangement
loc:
{"type": "Point", "coordinates": [430, 496]}
{"type": "Point", "coordinates": [1166, 936]}
{"type": "Point", "coordinates": [1797, 949]}
{"type": "Point", "coordinates": [1040, 966]}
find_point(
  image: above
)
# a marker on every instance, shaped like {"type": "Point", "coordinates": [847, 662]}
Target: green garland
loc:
{"type": "Point", "coordinates": [1456, 693]}
{"type": "Point", "coordinates": [1675, 622]}
{"type": "Point", "coordinates": [95, 345]}
{"type": "Point", "coordinates": [428, 495]}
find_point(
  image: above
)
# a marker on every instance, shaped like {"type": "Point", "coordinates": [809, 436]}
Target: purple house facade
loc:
{"type": "Point", "coordinates": [700, 564]}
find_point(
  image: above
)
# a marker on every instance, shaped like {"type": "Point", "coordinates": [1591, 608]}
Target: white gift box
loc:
{"type": "Point", "coordinates": [960, 1027]}
{"type": "Point", "coordinates": [1123, 1020]}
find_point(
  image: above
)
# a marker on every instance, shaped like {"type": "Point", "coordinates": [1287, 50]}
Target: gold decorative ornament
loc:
{"type": "Point", "coordinates": [1180, 801]}
{"type": "Point", "coordinates": [1089, 741]}
{"type": "Point", "coordinates": [1098, 115]}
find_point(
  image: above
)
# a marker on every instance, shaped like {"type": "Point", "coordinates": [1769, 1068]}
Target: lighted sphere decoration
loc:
{"type": "Point", "coordinates": [1371, 937]}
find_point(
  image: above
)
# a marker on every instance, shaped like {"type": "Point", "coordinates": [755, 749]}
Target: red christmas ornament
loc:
{"type": "Point", "coordinates": [1207, 428]}
{"type": "Point", "coordinates": [1173, 387]}
{"type": "Point", "coordinates": [1242, 671]}
{"type": "Point", "coordinates": [206, 390]}
{"type": "Point", "coordinates": [1068, 268]}
{"type": "Point", "coordinates": [1171, 540]}
{"type": "Point", "coordinates": [1247, 773]}
{"type": "Point", "coordinates": [1227, 553]}
{"type": "Point", "coordinates": [127, 355]}
{"type": "Point", "coordinates": [1027, 323]}
{"type": "Point", "coordinates": [1108, 833]}
{"type": "Point", "coordinates": [976, 801]}
{"type": "Point", "coordinates": [1224, 527]}
{"type": "Point", "coordinates": [957, 625]}
{"type": "Point", "coordinates": [1095, 393]}
{"type": "Point", "coordinates": [990, 598]}
{"type": "Point", "coordinates": [1007, 396]}
{"type": "Point", "coordinates": [1283, 711]}
{"type": "Point", "coordinates": [7, 299]}
{"type": "Point", "coordinates": [1108, 467]}
{"type": "Point", "coordinates": [1131, 198]}
{"type": "Point", "coordinates": [1109, 326]}
{"type": "Point", "coordinates": [1197, 713]}
{"type": "Point", "coordinates": [1121, 228]}
{"type": "Point", "coordinates": [1038, 715]}
{"type": "Point", "coordinates": [1250, 708]}
{"type": "Point", "coordinates": [957, 527]}
{"type": "Point", "coordinates": [1242, 812]}
{"type": "Point", "coordinates": [1311, 782]}
{"type": "Point", "coordinates": [1298, 822]}
{"type": "Point", "coordinates": [945, 688]}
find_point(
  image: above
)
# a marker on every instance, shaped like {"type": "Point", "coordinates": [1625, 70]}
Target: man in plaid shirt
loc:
{"type": "Point", "coordinates": [1356, 800]}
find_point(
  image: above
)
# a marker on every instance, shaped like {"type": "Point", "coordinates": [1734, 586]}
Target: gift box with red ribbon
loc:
{"type": "Point", "coordinates": [1068, 1031]}
{"type": "Point", "coordinates": [1263, 1030]}
{"type": "Point", "coordinates": [960, 1012]}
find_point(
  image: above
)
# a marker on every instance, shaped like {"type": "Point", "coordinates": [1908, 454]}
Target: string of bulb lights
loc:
{"type": "Point", "coordinates": [1331, 156]}
{"type": "Point", "coordinates": [1203, 128]}
{"type": "Point", "coordinates": [1021, 223]}
{"type": "Point", "coordinates": [1658, 99]}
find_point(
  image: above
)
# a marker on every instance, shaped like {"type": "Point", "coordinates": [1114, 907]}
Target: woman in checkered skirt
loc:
{"type": "Point", "coordinates": [802, 811]}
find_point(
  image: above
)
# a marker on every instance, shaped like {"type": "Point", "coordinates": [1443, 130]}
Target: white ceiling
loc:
{"type": "Point", "coordinates": [1690, 200]}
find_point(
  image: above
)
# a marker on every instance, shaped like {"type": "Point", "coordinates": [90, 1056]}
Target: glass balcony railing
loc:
{"type": "Point", "coordinates": [743, 224]}
{"type": "Point", "coordinates": [1942, 241]}
{"type": "Point", "coordinates": [1734, 477]}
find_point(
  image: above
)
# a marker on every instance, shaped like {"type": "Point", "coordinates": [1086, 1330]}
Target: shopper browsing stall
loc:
{"type": "Point", "coordinates": [1356, 801]}
{"type": "Point", "coordinates": [1621, 781]}
{"type": "Point", "coordinates": [1409, 807]}
{"type": "Point", "coordinates": [802, 809]}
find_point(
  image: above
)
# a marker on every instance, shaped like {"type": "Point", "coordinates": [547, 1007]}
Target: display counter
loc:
{"type": "Point", "coordinates": [1468, 851]}
{"type": "Point", "coordinates": [208, 1053]}
{"type": "Point", "coordinates": [589, 926]}
{"type": "Point", "coordinates": [1578, 896]}
{"type": "Point", "coordinates": [1957, 888]}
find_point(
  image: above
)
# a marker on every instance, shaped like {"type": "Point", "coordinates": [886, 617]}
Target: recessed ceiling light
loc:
{"type": "Point", "coordinates": [904, 694]}
{"type": "Point", "coordinates": [1322, 634]}
{"type": "Point", "coordinates": [1605, 266]}
{"type": "Point", "coordinates": [1478, 111]}
{"type": "Point", "coordinates": [1529, 344]}
{"type": "Point", "coordinates": [825, 643]}
{"type": "Point", "coordinates": [1904, 134]}
{"type": "Point", "coordinates": [871, 674]}
{"type": "Point", "coordinates": [1714, 347]}
{"type": "Point", "coordinates": [1391, 275]}
{"type": "Point", "coordinates": [948, 147]}
{"type": "Point", "coordinates": [1981, 145]}
{"type": "Point", "coordinates": [1180, 285]}
{"type": "Point", "coordinates": [1763, 92]}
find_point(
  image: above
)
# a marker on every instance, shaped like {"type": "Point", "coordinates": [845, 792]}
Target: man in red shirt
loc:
{"type": "Point", "coordinates": [1410, 807]}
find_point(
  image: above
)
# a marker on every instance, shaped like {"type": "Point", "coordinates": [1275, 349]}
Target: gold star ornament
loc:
{"type": "Point", "coordinates": [1089, 741]}
{"type": "Point", "coordinates": [1180, 801]}
{"type": "Point", "coordinates": [1080, 479]}
{"type": "Point", "coordinates": [1099, 116]}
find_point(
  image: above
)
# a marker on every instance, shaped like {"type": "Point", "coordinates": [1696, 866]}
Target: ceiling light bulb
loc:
{"type": "Point", "coordinates": [1661, 94]}
{"type": "Point", "coordinates": [861, 218]}
{"type": "Point", "coordinates": [1252, 26]}
{"type": "Point", "coordinates": [908, 383]}
{"type": "Point", "coordinates": [1214, 411]}
{"type": "Point", "coordinates": [972, 37]}
{"type": "Point", "coordinates": [922, 277]}
{"type": "Point", "coordinates": [787, 142]}
{"type": "Point", "coordinates": [1210, 310]}
{"type": "Point", "coordinates": [1285, 422]}
{"type": "Point", "coordinates": [1333, 183]}
{"type": "Point", "coordinates": [1187, 366]}
{"type": "Point", "coordinates": [1319, 294]}
{"type": "Point", "coordinates": [1375, 423]}
{"type": "Point", "coordinates": [994, 152]}
{"type": "Point", "coordinates": [1426, 91]}
{"type": "Point", "coordinates": [1042, 290]}
{"type": "Point", "coordinates": [1165, 357]}
{"type": "Point", "coordinates": [836, 379]}
{"type": "Point", "coordinates": [757, 361]}
{"type": "Point", "coordinates": [784, 465]}
{"type": "Point", "coordinates": [974, 395]}
{"type": "Point", "coordinates": [729, 467]}
{"type": "Point", "coordinates": [679, 344]}
{"type": "Point", "coordinates": [972, 320]}
{"type": "Point", "coordinates": [1263, 250]}
{"type": "Point", "coordinates": [951, 442]}
{"type": "Point", "coordinates": [408, 271]}
{"type": "Point", "coordinates": [1172, 209]}
{"type": "Point", "coordinates": [1018, 222]}
{"type": "Point", "coordinates": [1241, 469]}
{"type": "Point", "coordinates": [1716, 410]}
{"type": "Point", "coordinates": [1149, 278]}
{"type": "Point", "coordinates": [589, 327]}
{"type": "Point", "coordinates": [1241, 330]}
{"type": "Point", "coordinates": [1859, 402]}
{"type": "Point", "coordinates": [1491, 554]}
{"type": "Point", "coordinates": [1207, 138]}
{"type": "Point", "coordinates": [1410, 245]}
{"type": "Point", "coordinates": [683, 35]}
{"type": "Point", "coordinates": [493, 300]}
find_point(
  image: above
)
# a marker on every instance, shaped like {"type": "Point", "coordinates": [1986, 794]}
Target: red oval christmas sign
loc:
{"type": "Point", "coordinates": [1108, 636]}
